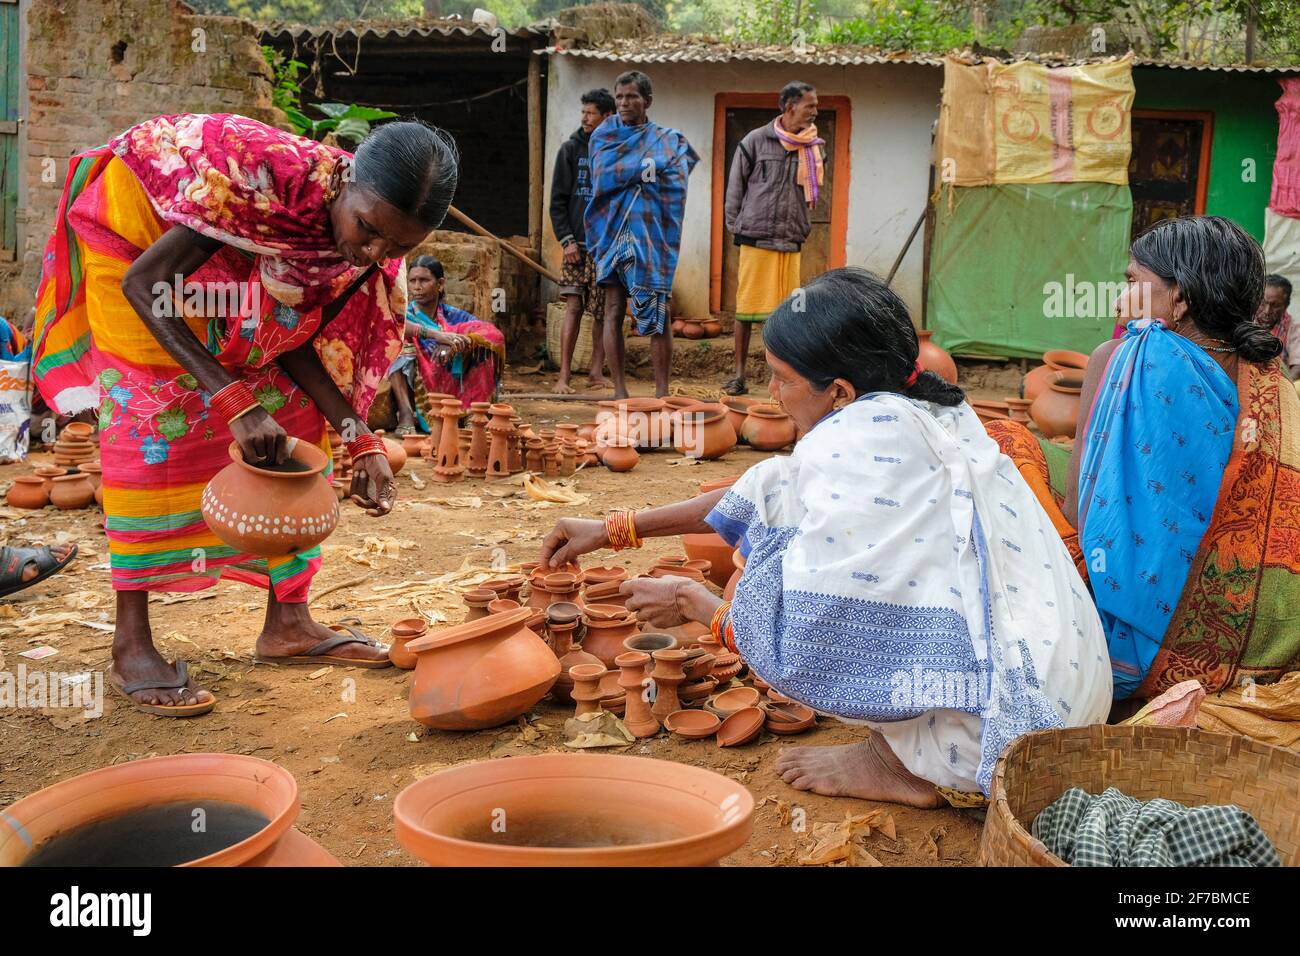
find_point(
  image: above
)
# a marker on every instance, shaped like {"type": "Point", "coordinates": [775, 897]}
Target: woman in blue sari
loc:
{"type": "Point", "coordinates": [453, 352]}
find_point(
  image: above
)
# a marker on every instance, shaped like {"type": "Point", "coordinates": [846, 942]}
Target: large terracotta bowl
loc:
{"type": "Point", "coordinates": [574, 810]}
{"type": "Point", "coordinates": [249, 782]}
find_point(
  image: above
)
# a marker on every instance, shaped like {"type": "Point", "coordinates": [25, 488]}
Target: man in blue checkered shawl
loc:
{"type": "Point", "coordinates": [634, 222]}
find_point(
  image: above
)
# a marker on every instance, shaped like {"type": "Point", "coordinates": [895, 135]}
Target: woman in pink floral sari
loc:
{"type": "Point", "coordinates": [210, 278]}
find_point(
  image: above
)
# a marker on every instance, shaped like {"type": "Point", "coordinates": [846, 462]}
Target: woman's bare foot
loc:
{"type": "Point", "coordinates": [136, 659]}
{"type": "Point", "coordinates": [868, 771]}
{"type": "Point", "coordinates": [562, 387]}
{"type": "Point", "coordinates": [598, 381]}
{"type": "Point", "coordinates": [289, 630]}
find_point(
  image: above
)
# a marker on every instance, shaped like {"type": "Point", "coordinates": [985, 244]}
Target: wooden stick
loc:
{"type": "Point", "coordinates": [470, 224]}
{"type": "Point", "coordinates": [339, 587]}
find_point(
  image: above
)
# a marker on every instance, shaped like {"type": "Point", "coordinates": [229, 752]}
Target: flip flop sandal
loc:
{"type": "Point", "coordinates": [403, 430]}
{"type": "Point", "coordinates": [14, 560]}
{"type": "Point", "coordinates": [735, 386]}
{"type": "Point", "coordinates": [320, 653]}
{"type": "Point", "coordinates": [163, 710]}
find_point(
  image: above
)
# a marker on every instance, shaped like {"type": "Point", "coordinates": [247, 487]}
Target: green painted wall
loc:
{"type": "Point", "coordinates": [1245, 127]}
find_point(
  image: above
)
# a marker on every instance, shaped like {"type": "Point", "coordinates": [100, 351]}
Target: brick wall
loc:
{"type": "Point", "coordinates": [96, 67]}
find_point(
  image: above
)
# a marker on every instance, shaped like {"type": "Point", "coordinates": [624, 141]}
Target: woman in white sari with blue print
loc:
{"type": "Point", "coordinates": [899, 572]}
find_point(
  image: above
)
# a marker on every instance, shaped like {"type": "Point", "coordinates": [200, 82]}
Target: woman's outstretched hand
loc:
{"type": "Point", "coordinates": [373, 471]}
{"type": "Point", "coordinates": [260, 438]}
{"type": "Point", "coordinates": [570, 538]}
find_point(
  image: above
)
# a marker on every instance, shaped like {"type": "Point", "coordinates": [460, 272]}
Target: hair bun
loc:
{"type": "Point", "coordinates": [1255, 343]}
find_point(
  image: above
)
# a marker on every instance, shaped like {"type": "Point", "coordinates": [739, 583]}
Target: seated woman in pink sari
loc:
{"type": "Point", "coordinates": [455, 353]}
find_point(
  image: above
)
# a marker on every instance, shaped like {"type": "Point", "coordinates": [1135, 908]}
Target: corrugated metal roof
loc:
{"type": "Point", "coordinates": [420, 27]}
{"type": "Point", "coordinates": [677, 49]}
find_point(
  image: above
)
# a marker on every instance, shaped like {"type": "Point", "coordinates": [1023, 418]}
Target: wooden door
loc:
{"type": "Point", "coordinates": [1169, 167]}
{"type": "Point", "coordinates": [816, 250]}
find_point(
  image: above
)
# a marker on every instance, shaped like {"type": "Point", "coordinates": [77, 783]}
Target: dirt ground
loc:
{"type": "Point", "coordinates": [351, 746]}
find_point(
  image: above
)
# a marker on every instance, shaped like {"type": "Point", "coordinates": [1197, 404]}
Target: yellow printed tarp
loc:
{"type": "Point", "coordinates": [1023, 122]}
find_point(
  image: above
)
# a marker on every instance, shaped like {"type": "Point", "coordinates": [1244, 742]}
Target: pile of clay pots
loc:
{"type": "Point", "coordinates": [72, 482]}
{"type": "Point", "coordinates": [567, 632]}
{"type": "Point", "coordinates": [1049, 399]}
{"type": "Point", "coordinates": [697, 328]}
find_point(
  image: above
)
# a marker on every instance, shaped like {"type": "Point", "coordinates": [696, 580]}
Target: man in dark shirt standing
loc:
{"type": "Point", "coordinates": [570, 190]}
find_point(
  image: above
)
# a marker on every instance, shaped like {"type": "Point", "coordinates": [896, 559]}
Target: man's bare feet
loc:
{"type": "Point", "coordinates": [598, 381]}
{"type": "Point", "coordinates": [868, 771]}
{"type": "Point", "coordinates": [562, 387]}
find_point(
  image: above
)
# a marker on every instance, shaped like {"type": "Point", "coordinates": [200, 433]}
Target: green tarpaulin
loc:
{"type": "Point", "coordinates": [1017, 270]}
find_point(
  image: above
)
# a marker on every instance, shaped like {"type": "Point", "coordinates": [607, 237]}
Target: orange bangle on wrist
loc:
{"type": "Point", "coordinates": [620, 529]}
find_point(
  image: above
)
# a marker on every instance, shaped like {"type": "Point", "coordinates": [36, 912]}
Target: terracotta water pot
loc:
{"type": "Point", "coordinates": [620, 456]}
{"type": "Point", "coordinates": [644, 422]}
{"type": "Point", "coordinates": [1018, 410]}
{"type": "Point", "coordinates": [477, 601]}
{"type": "Point", "coordinates": [1056, 360]}
{"type": "Point", "coordinates": [712, 328]}
{"type": "Point", "coordinates": [677, 324]}
{"type": "Point", "coordinates": [47, 476]}
{"type": "Point", "coordinates": [69, 492]}
{"type": "Point", "coordinates": [548, 589]}
{"type": "Point", "coordinates": [637, 811]}
{"type": "Point", "coordinates": [692, 329]}
{"type": "Point", "coordinates": [481, 673]}
{"type": "Point", "coordinates": [395, 452]}
{"type": "Point", "coordinates": [1056, 410]}
{"type": "Point", "coordinates": [28, 491]}
{"type": "Point", "coordinates": [413, 444]}
{"type": "Point", "coordinates": [608, 626]}
{"type": "Point", "coordinates": [568, 653]}
{"type": "Point", "coordinates": [272, 513]}
{"type": "Point", "coordinates": [94, 471]}
{"type": "Point", "coordinates": [401, 633]}
{"type": "Point", "coordinates": [737, 411]}
{"type": "Point", "coordinates": [711, 548]}
{"type": "Point", "coordinates": [503, 604]}
{"type": "Point", "coordinates": [767, 428]}
{"type": "Point", "coordinates": [935, 359]}
{"type": "Point", "coordinates": [704, 432]}
{"type": "Point", "coordinates": [587, 431]}
{"type": "Point", "coordinates": [258, 785]}
{"type": "Point", "coordinates": [1065, 359]}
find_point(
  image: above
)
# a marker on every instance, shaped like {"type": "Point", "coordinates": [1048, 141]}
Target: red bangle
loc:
{"type": "Point", "coordinates": [367, 444]}
{"type": "Point", "coordinates": [233, 400]}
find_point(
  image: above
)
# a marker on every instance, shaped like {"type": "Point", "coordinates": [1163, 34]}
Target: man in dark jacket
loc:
{"type": "Point", "coordinates": [570, 190]}
{"type": "Point", "coordinates": [776, 178]}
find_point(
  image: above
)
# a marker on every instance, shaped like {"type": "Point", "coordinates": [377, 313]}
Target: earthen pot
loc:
{"type": "Point", "coordinates": [1018, 409]}
{"type": "Point", "coordinates": [677, 324]}
{"type": "Point", "coordinates": [503, 604]}
{"type": "Point", "coordinates": [587, 432]}
{"type": "Point", "coordinates": [1056, 410]}
{"type": "Point", "coordinates": [480, 674]}
{"type": "Point", "coordinates": [737, 411]}
{"type": "Point", "coordinates": [561, 636]}
{"type": "Point", "coordinates": [510, 586]}
{"type": "Point", "coordinates": [730, 701]}
{"type": "Point", "coordinates": [258, 785]}
{"type": "Point", "coordinates": [934, 359]}
{"type": "Point", "coordinates": [413, 445]}
{"type": "Point", "coordinates": [704, 432]}
{"type": "Point", "coordinates": [741, 727]}
{"type": "Point", "coordinates": [477, 601]}
{"type": "Point", "coordinates": [692, 329]}
{"type": "Point", "coordinates": [649, 643]}
{"type": "Point", "coordinates": [606, 634]}
{"type": "Point", "coordinates": [1065, 359]}
{"type": "Point", "coordinates": [988, 411]}
{"type": "Point", "coordinates": [738, 562]}
{"type": "Point", "coordinates": [548, 589]}
{"type": "Point", "coordinates": [272, 513]}
{"type": "Point", "coordinates": [69, 492]}
{"type": "Point", "coordinates": [620, 456]}
{"type": "Point", "coordinates": [692, 724]}
{"type": "Point", "coordinates": [399, 635]}
{"type": "Point", "coordinates": [711, 548]}
{"type": "Point", "coordinates": [767, 428]}
{"type": "Point", "coordinates": [574, 809]}
{"type": "Point", "coordinates": [77, 430]}
{"type": "Point", "coordinates": [47, 476]}
{"type": "Point", "coordinates": [28, 491]}
{"type": "Point", "coordinates": [395, 452]}
{"type": "Point", "coordinates": [712, 328]}
{"type": "Point", "coordinates": [94, 471]}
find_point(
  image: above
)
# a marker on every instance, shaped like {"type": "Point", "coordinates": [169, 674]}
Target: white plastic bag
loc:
{"type": "Point", "coordinates": [15, 409]}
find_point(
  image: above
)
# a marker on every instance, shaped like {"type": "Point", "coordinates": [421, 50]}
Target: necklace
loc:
{"type": "Point", "coordinates": [1211, 348]}
{"type": "Point", "coordinates": [1208, 348]}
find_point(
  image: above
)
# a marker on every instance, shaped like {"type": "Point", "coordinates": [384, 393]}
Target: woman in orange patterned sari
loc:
{"type": "Point", "coordinates": [211, 278]}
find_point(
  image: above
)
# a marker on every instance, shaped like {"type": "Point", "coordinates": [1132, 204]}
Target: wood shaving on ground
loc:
{"type": "Point", "coordinates": [539, 489]}
{"type": "Point", "coordinates": [843, 843]}
{"type": "Point", "coordinates": [455, 501]}
{"type": "Point", "coordinates": [598, 729]}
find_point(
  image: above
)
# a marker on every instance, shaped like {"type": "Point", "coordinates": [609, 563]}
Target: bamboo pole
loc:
{"type": "Point", "coordinates": [470, 224]}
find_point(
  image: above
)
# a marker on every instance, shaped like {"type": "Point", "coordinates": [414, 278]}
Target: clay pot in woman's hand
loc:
{"type": "Point", "coordinates": [934, 359]}
{"type": "Point", "coordinates": [1056, 410]}
{"type": "Point", "coordinates": [28, 491]}
{"type": "Point", "coordinates": [767, 428]}
{"type": "Point", "coordinates": [272, 513]}
{"type": "Point", "coordinates": [72, 491]}
{"type": "Point", "coordinates": [480, 674]}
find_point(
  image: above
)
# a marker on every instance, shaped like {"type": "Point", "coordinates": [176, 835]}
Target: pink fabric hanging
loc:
{"type": "Point", "coordinates": [1285, 199]}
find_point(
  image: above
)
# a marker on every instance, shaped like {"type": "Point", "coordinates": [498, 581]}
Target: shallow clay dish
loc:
{"type": "Point", "coordinates": [692, 724]}
{"type": "Point", "coordinates": [788, 719]}
{"type": "Point", "coordinates": [694, 693]}
{"type": "Point", "coordinates": [741, 727]}
{"type": "Point", "coordinates": [730, 701]}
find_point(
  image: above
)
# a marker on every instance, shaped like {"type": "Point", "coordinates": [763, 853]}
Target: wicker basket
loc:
{"type": "Point", "coordinates": [581, 349]}
{"type": "Point", "coordinates": [1190, 766]}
